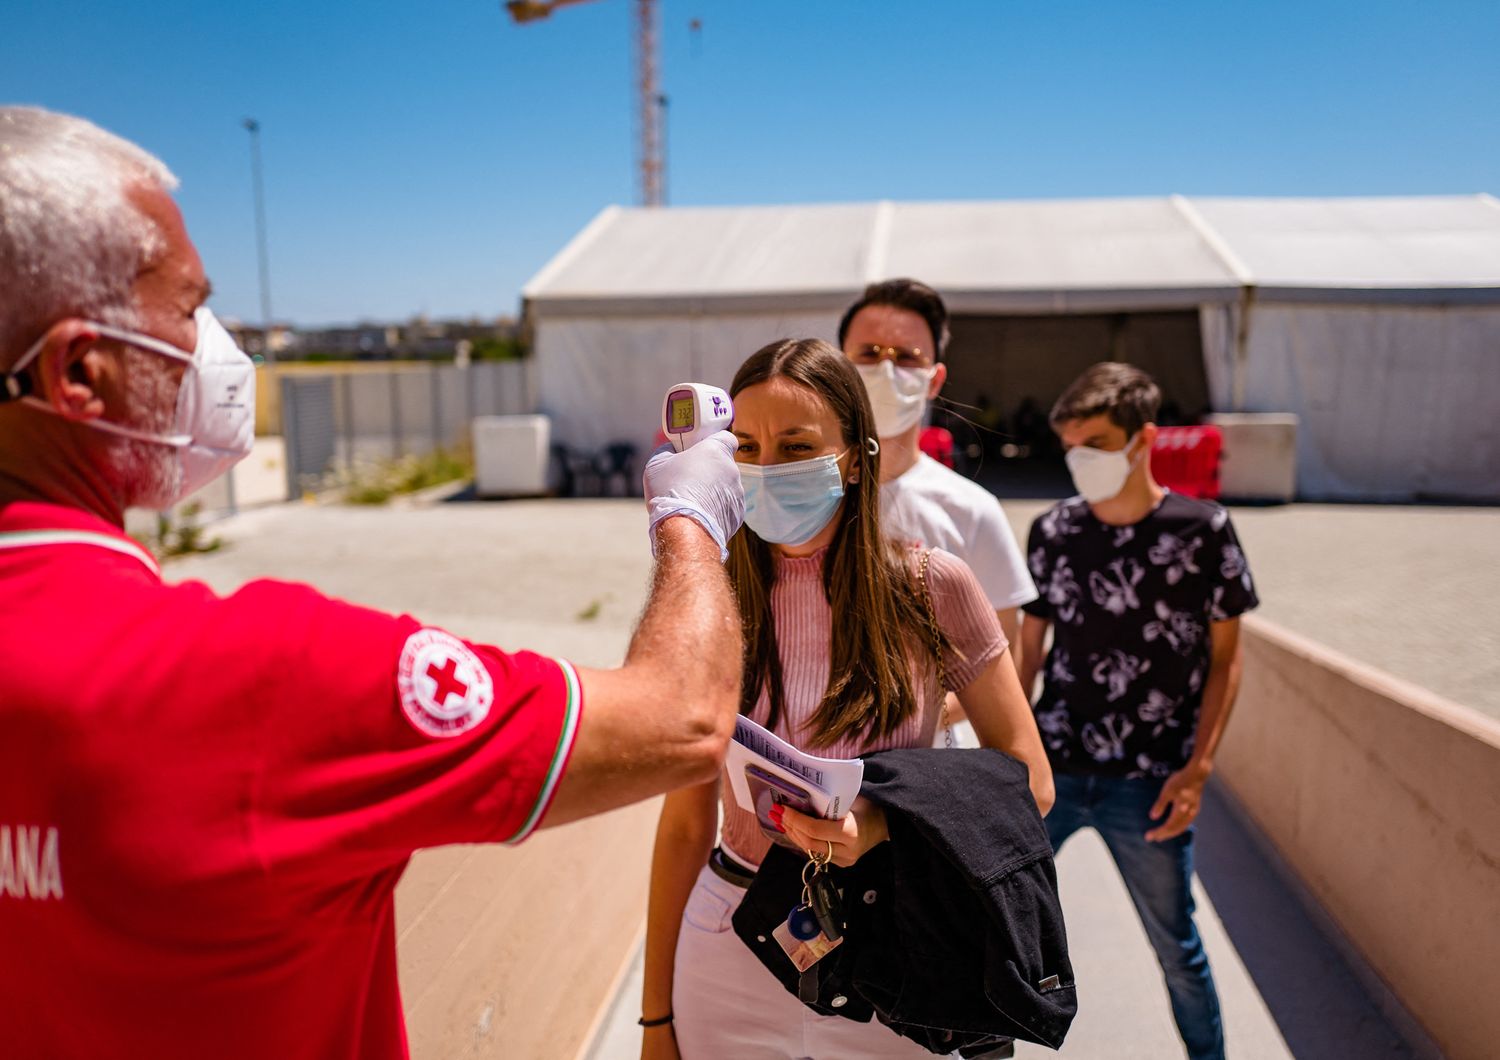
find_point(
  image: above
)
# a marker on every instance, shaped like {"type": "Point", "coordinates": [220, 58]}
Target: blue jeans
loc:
{"type": "Point", "coordinates": [1158, 877]}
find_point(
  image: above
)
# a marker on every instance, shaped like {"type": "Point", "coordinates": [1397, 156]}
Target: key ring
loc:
{"type": "Point", "coordinates": [819, 861]}
{"type": "Point", "coordinates": [816, 863]}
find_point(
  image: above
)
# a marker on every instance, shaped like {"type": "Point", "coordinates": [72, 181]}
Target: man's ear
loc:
{"type": "Point", "coordinates": [71, 370]}
{"type": "Point", "coordinates": [1147, 435]}
{"type": "Point", "coordinates": [939, 377]}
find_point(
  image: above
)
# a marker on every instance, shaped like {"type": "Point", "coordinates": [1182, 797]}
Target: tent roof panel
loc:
{"type": "Point", "coordinates": [697, 251]}
{"type": "Point", "coordinates": [1027, 256]}
{"type": "Point", "coordinates": [1110, 244]}
{"type": "Point", "coordinates": [1343, 244]}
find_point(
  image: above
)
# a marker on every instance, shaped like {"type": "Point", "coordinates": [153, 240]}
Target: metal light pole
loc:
{"type": "Point", "coordinates": [253, 127]}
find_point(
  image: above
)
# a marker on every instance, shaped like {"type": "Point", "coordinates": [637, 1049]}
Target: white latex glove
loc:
{"type": "Point", "coordinates": [702, 483]}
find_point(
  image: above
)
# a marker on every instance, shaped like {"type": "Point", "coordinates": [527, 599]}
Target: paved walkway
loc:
{"type": "Point", "coordinates": [1409, 589]}
{"type": "Point", "coordinates": [568, 577]}
{"type": "Point", "coordinates": [1285, 990]}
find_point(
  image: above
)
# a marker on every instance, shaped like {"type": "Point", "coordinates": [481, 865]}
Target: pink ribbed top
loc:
{"type": "Point", "coordinates": [804, 625]}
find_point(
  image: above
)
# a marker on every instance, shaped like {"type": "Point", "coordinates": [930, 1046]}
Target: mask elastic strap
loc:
{"type": "Point", "coordinates": [142, 342]}
{"type": "Point", "coordinates": [18, 386]}
{"type": "Point", "coordinates": [175, 441]}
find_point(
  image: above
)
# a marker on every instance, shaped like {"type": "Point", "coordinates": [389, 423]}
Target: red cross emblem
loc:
{"type": "Point", "coordinates": [445, 687]}
{"type": "Point", "coordinates": [447, 681]}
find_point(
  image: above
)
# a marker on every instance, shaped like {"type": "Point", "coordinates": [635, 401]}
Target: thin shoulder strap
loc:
{"type": "Point", "coordinates": [932, 622]}
{"type": "Point", "coordinates": [937, 646]}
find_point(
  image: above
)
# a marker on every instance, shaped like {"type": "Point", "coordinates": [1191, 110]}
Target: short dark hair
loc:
{"type": "Point", "coordinates": [904, 293]}
{"type": "Point", "coordinates": [1124, 393]}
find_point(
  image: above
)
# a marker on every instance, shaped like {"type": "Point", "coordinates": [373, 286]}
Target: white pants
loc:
{"type": "Point", "coordinates": [729, 1005]}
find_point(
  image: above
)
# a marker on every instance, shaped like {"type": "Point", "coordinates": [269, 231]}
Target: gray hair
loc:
{"type": "Point", "coordinates": [71, 242]}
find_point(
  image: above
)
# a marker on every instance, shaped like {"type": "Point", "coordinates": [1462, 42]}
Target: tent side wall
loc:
{"type": "Point", "coordinates": [1376, 321]}
{"type": "Point", "coordinates": [602, 378]}
{"type": "Point", "coordinates": [1396, 402]}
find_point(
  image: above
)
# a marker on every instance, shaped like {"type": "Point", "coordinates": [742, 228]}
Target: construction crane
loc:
{"type": "Point", "coordinates": [649, 100]}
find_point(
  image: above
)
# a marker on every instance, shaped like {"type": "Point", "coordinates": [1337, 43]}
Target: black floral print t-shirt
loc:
{"type": "Point", "coordinates": [1130, 608]}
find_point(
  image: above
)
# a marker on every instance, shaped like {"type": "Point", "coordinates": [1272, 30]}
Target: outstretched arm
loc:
{"type": "Point", "coordinates": [663, 720]}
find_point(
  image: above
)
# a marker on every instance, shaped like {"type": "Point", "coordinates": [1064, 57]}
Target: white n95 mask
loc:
{"type": "Point", "coordinates": [898, 396]}
{"type": "Point", "coordinates": [788, 504]}
{"type": "Point", "coordinates": [214, 425]}
{"type": "Point", "coordinates": [1099, 475]}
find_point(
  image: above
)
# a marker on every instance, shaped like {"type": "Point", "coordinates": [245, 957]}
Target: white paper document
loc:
{"type": "Point", "coordinates": [766, 771]}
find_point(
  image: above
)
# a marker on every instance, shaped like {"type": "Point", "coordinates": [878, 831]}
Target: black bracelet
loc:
{"type": "Point", "coordinates": [661, 1022]}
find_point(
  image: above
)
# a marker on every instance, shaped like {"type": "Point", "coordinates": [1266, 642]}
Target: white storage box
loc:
{"type": "Point", "coordinates": [510, 455]}
{"type": "Point", "coordinates": [1260, 455]}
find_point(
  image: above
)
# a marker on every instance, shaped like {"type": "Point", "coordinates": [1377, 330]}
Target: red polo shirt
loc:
{"type": "Point", "coordinates": [206, 802]}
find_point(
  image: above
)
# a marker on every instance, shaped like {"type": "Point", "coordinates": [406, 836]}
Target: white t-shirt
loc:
{"type": "Point", "coordinates": [941, 509]}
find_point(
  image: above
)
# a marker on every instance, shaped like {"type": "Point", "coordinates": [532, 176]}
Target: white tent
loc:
{"type": "Point", "coordinates": [1377, 321]}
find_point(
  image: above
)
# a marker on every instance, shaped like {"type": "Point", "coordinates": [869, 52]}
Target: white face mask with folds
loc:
{"type": "Point", "coordinates": [898, 396]}
{"type": "Point", "coordinates": [1100, 475]}
{"type": "Point", "coordinates": [213, 427]}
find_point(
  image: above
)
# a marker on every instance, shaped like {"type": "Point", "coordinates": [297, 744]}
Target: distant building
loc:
{"type": "Point", "coordinates": [416, 339]}
{"type": "Point", "coordinates": [277, 339]}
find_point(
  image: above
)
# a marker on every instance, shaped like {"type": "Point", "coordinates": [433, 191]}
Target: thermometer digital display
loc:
{"type": "Point", "coordinates": [693, 411]}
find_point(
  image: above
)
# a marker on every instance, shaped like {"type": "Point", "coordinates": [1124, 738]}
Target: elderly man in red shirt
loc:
{"type": "Point", "coordinates": [206, 802]}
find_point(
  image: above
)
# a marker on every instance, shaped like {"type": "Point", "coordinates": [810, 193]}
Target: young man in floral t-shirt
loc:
{"type": "Point", "coordinates": [1143, 589]}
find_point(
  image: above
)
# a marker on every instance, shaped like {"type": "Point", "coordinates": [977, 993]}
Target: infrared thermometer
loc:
{"type": "Point", "coordinates": [693, 411]}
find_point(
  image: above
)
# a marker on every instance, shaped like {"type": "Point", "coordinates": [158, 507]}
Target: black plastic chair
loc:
{"type": "Point", "coordinates": [575, 473]}
{"type": "Point", "coordinates": [616, 463]}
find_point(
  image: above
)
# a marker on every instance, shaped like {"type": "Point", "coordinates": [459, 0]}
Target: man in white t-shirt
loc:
{"type": "Point", "coordinates": [895, 335]}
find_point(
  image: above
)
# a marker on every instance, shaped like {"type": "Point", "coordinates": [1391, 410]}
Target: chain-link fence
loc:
{"type": "Point", "coordinates": [336, 422]}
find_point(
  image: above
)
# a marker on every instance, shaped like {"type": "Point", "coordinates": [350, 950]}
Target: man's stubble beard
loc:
{"type": "Point", "coordinates": [146, 473]}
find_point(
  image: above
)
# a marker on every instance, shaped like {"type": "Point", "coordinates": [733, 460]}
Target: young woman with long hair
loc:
{"type": "Point", "coordinates": [840, 659]}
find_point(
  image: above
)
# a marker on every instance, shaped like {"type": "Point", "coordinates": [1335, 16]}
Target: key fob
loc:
{"type": "Point", "coordinates": [803, 923]}
{"type": "Point", "coordinates": [828, 907]}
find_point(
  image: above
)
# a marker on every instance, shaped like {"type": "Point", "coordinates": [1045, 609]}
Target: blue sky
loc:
{"type": "Point", "coordinates": [430, 157]}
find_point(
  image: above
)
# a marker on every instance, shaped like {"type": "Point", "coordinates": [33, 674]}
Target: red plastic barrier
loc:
{"type": "Point", "coordinates": [937, 442]}
{"type": "Point", "coordinates": [1186, 459]}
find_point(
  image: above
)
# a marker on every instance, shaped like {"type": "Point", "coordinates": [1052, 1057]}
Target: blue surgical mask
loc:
{"type": "Point", "coordinates": [788, 504]}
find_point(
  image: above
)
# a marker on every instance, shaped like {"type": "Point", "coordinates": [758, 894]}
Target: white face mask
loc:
{"type": "Point", "coordinates": [1099, 475]}
{"type": "Point", "coordinates": [898, 396]}
{"type": "Point", "coordinates": [214, 425]}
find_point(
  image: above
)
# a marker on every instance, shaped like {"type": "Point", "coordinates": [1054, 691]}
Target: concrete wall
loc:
{"type": "Point", "coordinates": [513, 951]}
{"type": "Point", "coordinates": [1385, 800]}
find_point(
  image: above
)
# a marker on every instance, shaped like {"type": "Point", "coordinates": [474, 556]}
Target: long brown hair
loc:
{"type": "Point", "coordinates": [880, 627]}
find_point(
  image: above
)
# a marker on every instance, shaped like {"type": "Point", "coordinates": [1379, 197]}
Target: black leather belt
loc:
{"type": "Point", "coordinates": [729, 870]}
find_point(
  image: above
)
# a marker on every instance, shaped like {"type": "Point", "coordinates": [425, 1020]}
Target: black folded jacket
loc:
{"type": "Point", "coordinates": [954, 935]}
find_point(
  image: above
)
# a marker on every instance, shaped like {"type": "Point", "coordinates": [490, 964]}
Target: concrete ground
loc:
{"type": "Point", "coordinates": [567, 577]}
{"type": "Point", "coordinates": [1409, 589]}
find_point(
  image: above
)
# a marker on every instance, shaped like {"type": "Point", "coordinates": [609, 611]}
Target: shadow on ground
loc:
{"type": "Point", "coordinates": [1320, 1007]}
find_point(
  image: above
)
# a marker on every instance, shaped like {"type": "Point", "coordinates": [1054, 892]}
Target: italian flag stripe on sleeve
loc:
{"type": "Point", "coordinates": [560, 753]}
